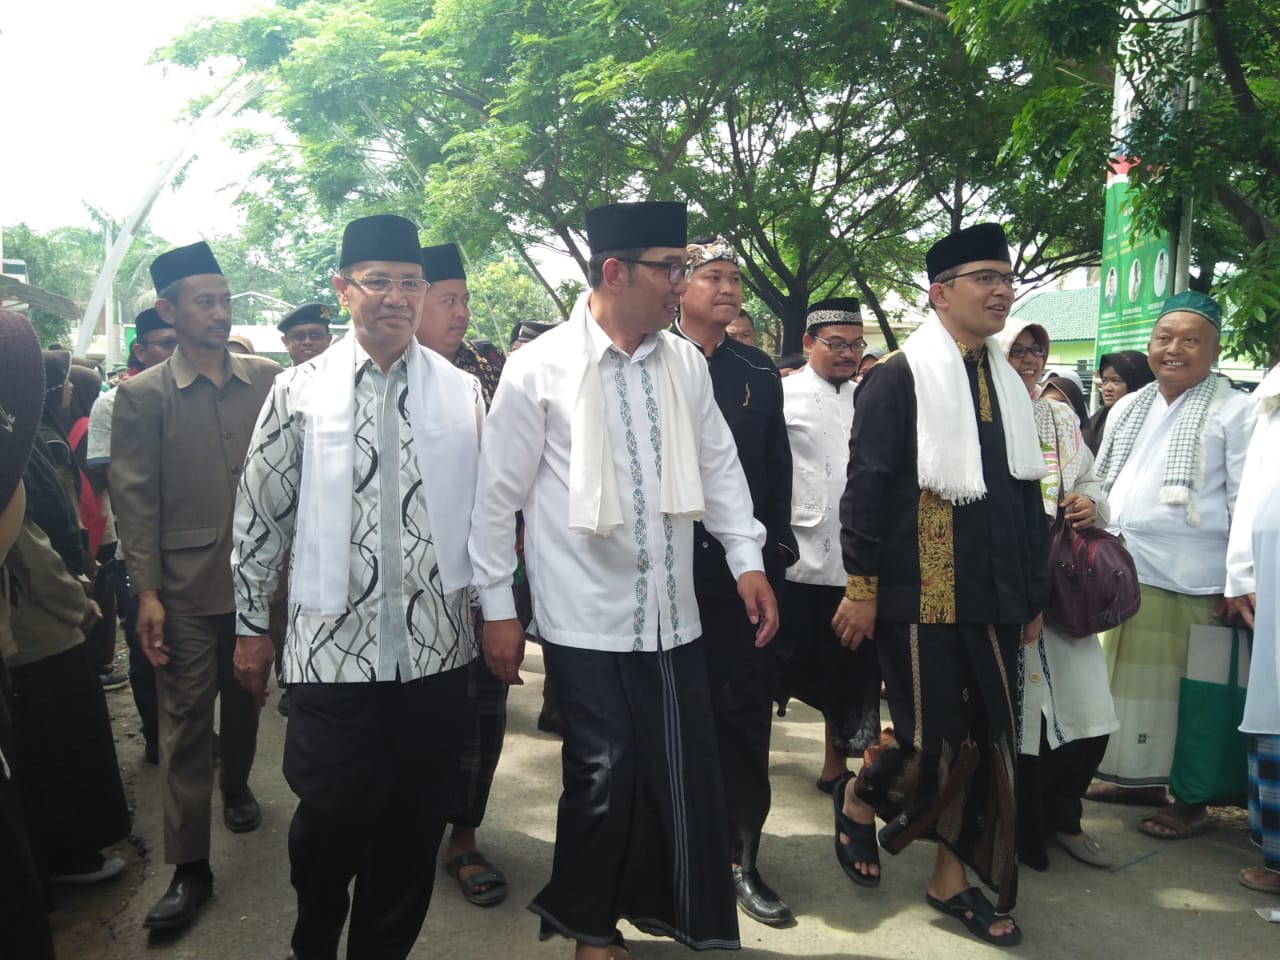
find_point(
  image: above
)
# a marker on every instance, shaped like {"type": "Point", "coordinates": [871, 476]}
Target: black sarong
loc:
{"type": "Point", "coordinates": [641, 829]}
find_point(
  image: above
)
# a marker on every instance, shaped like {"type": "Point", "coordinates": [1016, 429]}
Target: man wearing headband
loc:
{"type": "Point", "coordinates": [944, 540]}
{"type": "Point", "coordinates": [748, 392]}
{"type": "Point", "coordinates": [446, 314]}
{"type": "Point", "coordinates": [813, 666]}
{"type": "Point", "coordinates": [363, 463]}
{"type": "Point", "coordinates": [1171, 460]}
{"type": "Point", "coordinates": [605, 432]}
{"type": "Point", "coordinates": [178, 439]}
{"type": "Point", "coordinates": [305, 332]}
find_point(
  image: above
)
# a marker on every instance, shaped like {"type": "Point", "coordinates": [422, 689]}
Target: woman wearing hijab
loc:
{"type": "Point", "coordinates": [1118, 374]}
{"type": "Point", "coordinates": [1066, 713]}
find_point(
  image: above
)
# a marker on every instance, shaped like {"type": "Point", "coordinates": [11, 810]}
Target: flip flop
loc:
{"type": "Point", "coordinates": [1174, 820]}
{"type": "Point", "coordinates": [862, 846]}
{"type": "Point", "coordinates": [1101, 792]}
{"type": "Point", "coordinates": [1273, 887]}
{"type": "Point", "coordinates": [490, 878]}
{"type": "Point", "coordinates": [975, 911]}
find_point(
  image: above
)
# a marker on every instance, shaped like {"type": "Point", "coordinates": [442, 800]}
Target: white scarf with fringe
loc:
{"type": "Point", "coordinates": [441, 402]}
{"type": "Point", "coordinates": [948, 454]}
{"type": "Point", "coordinates": [593, 489]}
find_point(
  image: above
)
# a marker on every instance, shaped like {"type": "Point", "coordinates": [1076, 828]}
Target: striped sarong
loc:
{"type": "Point", "coordinates": [1146, 661]}
{"type": "Point", "coordinates": [1264, 797]}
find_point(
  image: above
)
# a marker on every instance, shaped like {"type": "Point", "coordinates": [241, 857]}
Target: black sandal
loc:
{"type": "Point", "coordinates": [862, 846]}
{"type": "Point", "coordinates": [975, 911]}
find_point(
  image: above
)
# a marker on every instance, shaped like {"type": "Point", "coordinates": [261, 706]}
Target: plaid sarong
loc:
{"type": "Point", "coordinates": [1184, 460]}
{"type": "Point", "coordinates": [1264, 797]}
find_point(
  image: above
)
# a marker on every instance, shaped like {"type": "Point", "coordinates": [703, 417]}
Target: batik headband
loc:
{"type": "Point", "coordinates": [717, 249]}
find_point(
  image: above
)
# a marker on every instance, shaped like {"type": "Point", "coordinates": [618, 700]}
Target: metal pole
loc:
{"type": "Point", "coordinates": [1182, 252]}
{"type": "Point", "coordinates": [229, 101]}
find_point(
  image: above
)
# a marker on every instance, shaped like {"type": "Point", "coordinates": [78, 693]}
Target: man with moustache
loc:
{"type": "Point", "coordinates": [153, 343]}
{"type": "Point", "coordinates": [178, 439]}
{"type": "Point", "coordinates": [446, 315]}
{"type": "Point", "coordinates": [305, 332]}
{"type": "Point", "coordinates": [363, 461]}
{"type": "Point", "coordinates": [944, 541]}
{"type": "Point", "coordinates": [748, 392]}
{"type": "Point", "coordinates": [605, 432]}
{"type": "Point", "coordinates": [1171, 461]}
{"type": "Point", "coordinates": [813, 665]}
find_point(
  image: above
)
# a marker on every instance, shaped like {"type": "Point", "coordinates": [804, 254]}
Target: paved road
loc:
{"type": "Point", "coordinates": [1182, 901]}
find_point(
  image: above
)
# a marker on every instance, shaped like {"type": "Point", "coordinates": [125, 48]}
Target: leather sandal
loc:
{"type": "Point", "coordinates": [488, 888]}
{"type": "Point", "coordinates": [862, 846]}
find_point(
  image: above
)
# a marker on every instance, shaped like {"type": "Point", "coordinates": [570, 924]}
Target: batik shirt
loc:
{"type": "Point", "coordinates": [399, 623]}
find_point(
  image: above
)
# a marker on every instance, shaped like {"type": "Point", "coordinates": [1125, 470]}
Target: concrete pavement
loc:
{"type": "Point", "coordinates": [1180, 901]}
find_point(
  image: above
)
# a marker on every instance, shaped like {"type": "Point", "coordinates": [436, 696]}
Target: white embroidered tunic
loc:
{"type": "Point", "coordinates": [631, 590]}
{"type": "Point", "coordinates": [399, 624]}
{"type": "Point", "coordinates": [819, 418]}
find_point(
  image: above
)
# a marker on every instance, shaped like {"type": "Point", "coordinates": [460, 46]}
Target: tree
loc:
{"type": "Point", "coordinates": [1219, 151]}
{"type": "Point", "coordinates": [828, 139]}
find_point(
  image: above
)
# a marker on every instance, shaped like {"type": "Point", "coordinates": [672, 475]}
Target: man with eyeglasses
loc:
{"type": "Point", "coordinates": [178, 439]}
{"type": "Point", "coordinates": [305, 332]}
{"type": "Point", "coordinates": [605, 432]}
{"type": "Point", "coordinates": [748, 392]}
{"type": "Point", "coordinates": [364, 462]}
{"type": "Point", "coordinates": [813, 666]}
{"type": "Point", "coordinates": [153, 342]}
{"type": "Point", "coordinates": [944, 539]}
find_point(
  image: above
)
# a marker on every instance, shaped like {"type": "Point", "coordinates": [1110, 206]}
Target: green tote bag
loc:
{"type": "Point", "coordinates": [1210, 757]}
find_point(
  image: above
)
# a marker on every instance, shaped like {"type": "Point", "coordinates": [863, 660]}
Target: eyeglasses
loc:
{"type": "Point", "coordinates": [840, 346]}
{"type": "Point", "coordinates": [300, 336]}
{"type": "Point", "coordinates": [1111, 381]}
{"type": "Point", "coordinates": [1017, 352]}
{"type": "Point", "coordinates": [410, 286]}
{"type": "Point", "coordinates": [988, 278]}
{"type": "Point", "coordinates": [677, 272]}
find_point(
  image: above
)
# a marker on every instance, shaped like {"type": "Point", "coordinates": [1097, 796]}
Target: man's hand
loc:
{"type": "Point", "coordinates": [503, 646]}
{"type": "Point", "coordinates": [1239, 610]}
{"type": "Point", "coordinates": [1080, 511]}
{"type": "Point", "coordinates": [1031, 632]}
{"type": "Point", "coordinates": [855, 621]}
{"type": "Point", "coordinates": [253, 657]}
{"type": "Point", "coordinates": [761, 605]}
{"type": "Point", "coordinates": [151, 628]}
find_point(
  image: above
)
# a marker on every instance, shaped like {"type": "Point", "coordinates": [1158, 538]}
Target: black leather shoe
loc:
{"type": "Point", "coordinates": [757, 899]}
{"type": "Point", "coordinates": [240, 811]}
{"type": "Point", "coordinates": [178, 906]}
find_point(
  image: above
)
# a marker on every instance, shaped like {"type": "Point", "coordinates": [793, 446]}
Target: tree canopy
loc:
{"type": "Point", "coordinates": [1217, 146]}
{"type": "Point", "coordinates": [830, 140]}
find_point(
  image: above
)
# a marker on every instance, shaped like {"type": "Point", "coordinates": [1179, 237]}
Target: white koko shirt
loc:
{"type": "Point", "coordinates": [631, 590]}
{"type": "Point", "coordinates": [819, 418]}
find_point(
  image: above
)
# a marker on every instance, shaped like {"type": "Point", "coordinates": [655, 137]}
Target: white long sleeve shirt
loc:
{"type": "Point", "coordinates": [1168, 552]}
{"type": "Point", "coordinates": [819, 419]}
{"type": "Point", "coordinates": [631, 590]}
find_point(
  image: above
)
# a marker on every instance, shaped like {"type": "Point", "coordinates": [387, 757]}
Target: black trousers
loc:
{"type": "Point", "coordinates": [740, 678]}
{"type": "Point", "coordinates": [373, 765]}
{"type": "Point", "coordinates": [1050, 788]}
{"type": "Point", "coordinates": [24, 906]}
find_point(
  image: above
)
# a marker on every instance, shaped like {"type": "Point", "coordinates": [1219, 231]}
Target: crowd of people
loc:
{"type": "Point", "coordinates": [693, 536]}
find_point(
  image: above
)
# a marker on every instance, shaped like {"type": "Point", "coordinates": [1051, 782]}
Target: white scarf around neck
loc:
{"type": "Point", "coordinates": [441, 402]}
{"type": "Point", "coordinates": [593, 489]}
{"type": "Point", "coordinates": [948, 455]}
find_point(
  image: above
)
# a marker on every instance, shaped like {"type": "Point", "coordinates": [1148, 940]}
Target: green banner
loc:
{"type": "Point", "coordinates": [1136, 272]}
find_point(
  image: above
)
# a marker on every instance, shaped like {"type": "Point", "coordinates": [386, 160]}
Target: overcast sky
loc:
{"type": "Point", "coordinates": [88, 121]}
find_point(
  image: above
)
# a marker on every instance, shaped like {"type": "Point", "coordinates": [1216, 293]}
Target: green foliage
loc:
{"type": "Point", "coordinates": [831, 140]}
{"type": "Point", "coordinates": [1222, 152]}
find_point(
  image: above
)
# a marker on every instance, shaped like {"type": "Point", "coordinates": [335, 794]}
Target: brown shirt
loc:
{"type": "Point", "coordinates": [178, 446]}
